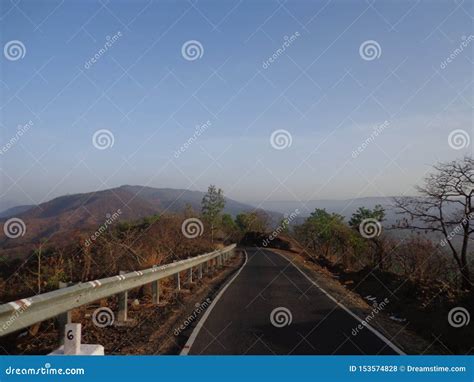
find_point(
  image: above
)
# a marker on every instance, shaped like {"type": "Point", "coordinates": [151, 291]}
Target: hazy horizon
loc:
{"type": "Point", "coordinates": [364, 92]}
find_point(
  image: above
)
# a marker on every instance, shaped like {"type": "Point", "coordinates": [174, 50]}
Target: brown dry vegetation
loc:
{"type": "Point", "coordinates": [151, 328]}
{"type": "Point", "coordinates": [123, 247]}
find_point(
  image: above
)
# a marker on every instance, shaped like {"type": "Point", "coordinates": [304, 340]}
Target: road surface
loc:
{"type": "Point", "coordinates": [304, 320]}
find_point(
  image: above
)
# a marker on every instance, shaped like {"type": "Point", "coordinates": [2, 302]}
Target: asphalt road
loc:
{"type": "Point", "coordinates": [309, 322]}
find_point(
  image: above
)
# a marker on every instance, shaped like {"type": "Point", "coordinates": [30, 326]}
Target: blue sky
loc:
{"type": "Point", "coordinates": [320, 89]}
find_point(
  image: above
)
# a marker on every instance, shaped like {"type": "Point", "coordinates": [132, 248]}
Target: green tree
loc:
{"type": "Point", "coordinates": [229, 226]}
{"type": "Point", "coordinates": [319, 229]}
{"type": "Point", "coordinates": [255, 221]}
{"type": "Point", "coordinates": [211, 207]}
{"type": "Point", "coordinates": [326, 234]}
{"type": "Point", "coordinates": [376, 215]}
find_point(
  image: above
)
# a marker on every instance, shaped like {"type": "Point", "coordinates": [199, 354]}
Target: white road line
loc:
{"type": "Point", "coordinates": [187, 347]}
{"type": "Point", "coordinates": [372, 329]}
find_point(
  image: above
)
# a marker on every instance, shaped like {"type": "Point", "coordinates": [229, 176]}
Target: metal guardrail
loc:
{"type": "Point", "coordinates": [23, 313]}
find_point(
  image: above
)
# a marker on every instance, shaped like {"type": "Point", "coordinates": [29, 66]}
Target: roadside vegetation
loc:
{"type": "Point", "coordinates": [426, 277]}
{"type": "Point", "coordinates": [423, 276]}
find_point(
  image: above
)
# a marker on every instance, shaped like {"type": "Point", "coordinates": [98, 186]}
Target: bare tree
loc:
{"type": "Point", "coordinates": [444, 205]}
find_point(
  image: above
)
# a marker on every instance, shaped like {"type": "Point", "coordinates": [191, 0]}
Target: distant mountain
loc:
{"type": "Point", "coordinates": [15, 210]}
{"type": "Point", "coordinates": [77, 212]}
{"type": "Point", "coordinates": [343, 207]}
{"type": "Point", "coordinates": [175, 200]}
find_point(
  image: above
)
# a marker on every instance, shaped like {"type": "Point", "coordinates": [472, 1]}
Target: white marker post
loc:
{"type": "Point", "coordinates": [72, 339]}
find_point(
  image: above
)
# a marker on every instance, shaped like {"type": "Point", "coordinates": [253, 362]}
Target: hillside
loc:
{"type": "Point", "coordinates": [59, 218]}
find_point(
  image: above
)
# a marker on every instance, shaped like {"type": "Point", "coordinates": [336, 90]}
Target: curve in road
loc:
{"type": "Point", "coordinates": [272, 307]}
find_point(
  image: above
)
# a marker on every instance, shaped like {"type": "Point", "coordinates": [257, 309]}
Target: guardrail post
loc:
{"type": "Point", "coordinates": [178, 282]}
{"type": "Point", "coordinates": [155, 292]}
{"type": "Point", "coordinates": [213, 264]}
{"type": "Point", "coordinates": [122, 315]}
{"type": "Point", "coordinates": [190, 277]}
{"type": "Point", "coordinates": [200, 271]}
{"type": "Point", "coordinates": [64, 318]}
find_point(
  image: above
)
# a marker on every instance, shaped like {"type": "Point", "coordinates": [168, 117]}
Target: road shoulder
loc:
{"type": "Point", "coordinates": [398, 333]}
